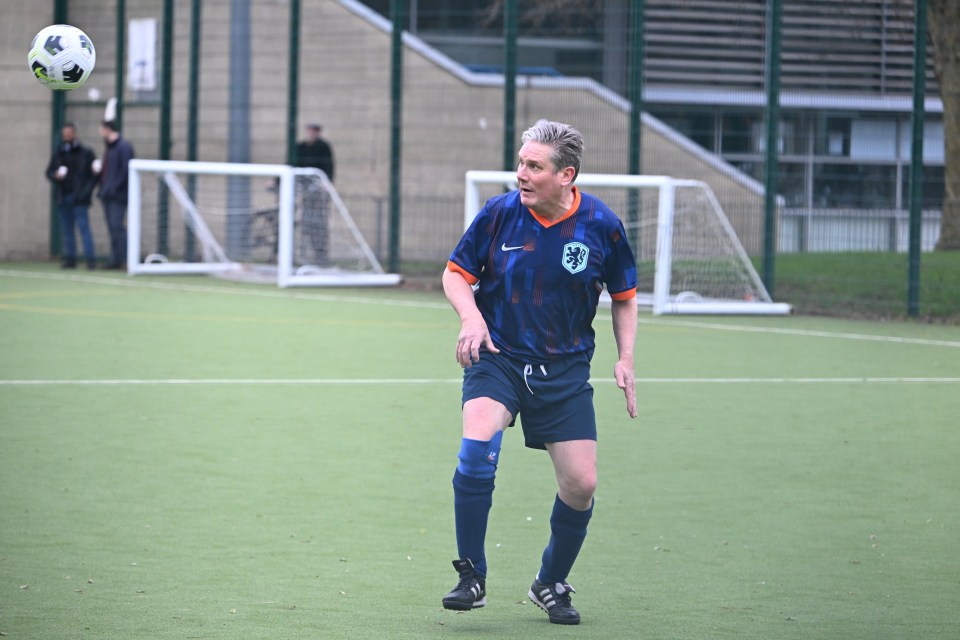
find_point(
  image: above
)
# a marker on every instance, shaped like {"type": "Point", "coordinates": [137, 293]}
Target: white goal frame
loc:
{"type": "Point", "coordinates": [214, 259]}
{"type": "Point", "coordinates": [662, 301]}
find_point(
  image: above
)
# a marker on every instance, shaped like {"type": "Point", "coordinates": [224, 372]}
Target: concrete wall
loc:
{"type": "Point", "coordinates": [25, 113]}
{"type": "Point", "coordinates": [449, 125]}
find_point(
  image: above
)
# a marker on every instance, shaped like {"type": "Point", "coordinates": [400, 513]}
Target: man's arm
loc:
{"type": "Point", "coordinates": [330, 162]}
{"type": "Point", "coordinates": [624, 314]}
{"type": "Point", "coordinates": [87, 178]}
{"type": "Point", "coordinates": [128, 155]}
{"type": "Point", "coordinates": [473, 328]}
{"type": "Point", "coordinates": [52, 167]}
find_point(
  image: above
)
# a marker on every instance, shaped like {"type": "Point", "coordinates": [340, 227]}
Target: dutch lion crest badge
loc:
{"type": "Point", "coordinates": [575, 256]}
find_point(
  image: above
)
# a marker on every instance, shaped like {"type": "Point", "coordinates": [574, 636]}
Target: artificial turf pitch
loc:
{"type": "Point", "coordinates": [189, 458]}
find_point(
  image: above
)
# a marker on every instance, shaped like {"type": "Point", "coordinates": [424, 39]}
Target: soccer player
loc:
{"type": "Point", "coordinates": [539, 257]}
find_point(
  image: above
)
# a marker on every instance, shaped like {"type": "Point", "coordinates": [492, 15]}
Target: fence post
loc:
{"type": "Point", "coordinates": [238, 124]}
{"type": "Point", "coordinates": [770, 173]}
{"type": "Point", "coordinates": [57, 119]}
{"type": "Point", "coordinates": [509, 84]}
{"type": "Point", "coordinates": [916, 156]}
{"type": "Point", "coordinates": [396, 122]}
{"type": "Point", "coordinates": [166, 102]}
{"type": "Point", "coordinates": [293, 81]}
{"type": "Point", "coordinates": [120, 61]}
{"type": "Point", "coordinates": [193, 116]}
{"type": "Point", "coordinates": [635, 93]}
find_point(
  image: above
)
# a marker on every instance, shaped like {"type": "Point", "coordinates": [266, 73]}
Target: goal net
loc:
{"type": "Point", "coordinates": [252, 222]}
{"type": "Point", "coordinates": [689, 259]}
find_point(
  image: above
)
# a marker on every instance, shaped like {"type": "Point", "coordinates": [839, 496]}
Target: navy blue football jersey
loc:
{"type": "Point", "coordinates": [539, 282]}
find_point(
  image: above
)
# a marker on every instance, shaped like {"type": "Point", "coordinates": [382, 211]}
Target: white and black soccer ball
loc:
{"type": "Point", "coordinates": [62, 57]}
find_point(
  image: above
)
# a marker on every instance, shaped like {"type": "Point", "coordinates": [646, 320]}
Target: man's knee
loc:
{"type": "Point", "coordinates": [581, 487]}
{"type": "Point", "coordinates": [478, 459]}
{"type": "Point", "coordinates": [577, 487]}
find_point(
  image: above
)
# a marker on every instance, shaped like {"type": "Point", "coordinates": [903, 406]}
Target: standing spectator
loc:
{"type": "Point", "coordinates": [317, 153]}
{"type": "Point", "coordinates": [113, 190]}
{"type": "Point", "coordinates": [71, 169]}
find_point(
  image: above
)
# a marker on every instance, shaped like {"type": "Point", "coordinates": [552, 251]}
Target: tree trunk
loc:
{"type": "Point", "coordinates": [943, 19]}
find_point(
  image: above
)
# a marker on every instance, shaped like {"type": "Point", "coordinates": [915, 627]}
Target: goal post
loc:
{"type": "Point", "coordinates": [689, 258]}
{"type": "Point", "coordinates": [252, 222]}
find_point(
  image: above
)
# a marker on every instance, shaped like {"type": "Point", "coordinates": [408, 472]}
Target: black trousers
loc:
{"type": "Point", "coordinates": [316, 228]}
{"type": "Point", "coordinates": [115, 212]}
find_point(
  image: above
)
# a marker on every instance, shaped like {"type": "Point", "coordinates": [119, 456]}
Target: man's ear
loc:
{"type": "Point", "coordinates": [567, 174]}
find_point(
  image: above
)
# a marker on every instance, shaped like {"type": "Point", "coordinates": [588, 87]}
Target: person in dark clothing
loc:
{"type": "Point", "coordinates": [113, 190]}
{"type": "Point", "coordinates": [317, 153]}
{"type": "Point", "coordinates": [71, 170]}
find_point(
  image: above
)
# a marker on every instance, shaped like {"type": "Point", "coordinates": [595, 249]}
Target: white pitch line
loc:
{"type": "Point", "coordinates": [848, 380]}
{"type": "Point", "coordinates": [232, 381]}
{"type": "Point", "coordinates": [431, 381]}
{"type": "Point", "coordinates": [805, 332]}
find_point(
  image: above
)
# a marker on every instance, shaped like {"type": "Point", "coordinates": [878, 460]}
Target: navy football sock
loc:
{"type": "Point", "coordinates": [472, 498]}
{"type": "Point", "coordinates": [568, 528]}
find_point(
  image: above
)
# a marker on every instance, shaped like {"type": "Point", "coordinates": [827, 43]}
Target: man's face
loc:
{"type": "Point", "coordinates": [68, 135]}
{"type": "Point", "coordinates": [313, 134]}
{"type": "Point", "coordinates": [541, 183]}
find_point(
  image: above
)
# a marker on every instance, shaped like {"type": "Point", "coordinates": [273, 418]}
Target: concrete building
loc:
{"type": "Point", "coordinates": [847, 81]}
{"type": "Point", "coordinates": [452, 115]}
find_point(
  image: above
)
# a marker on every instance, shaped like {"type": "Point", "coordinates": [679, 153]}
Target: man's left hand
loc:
{"type": "Point", "coordinates": [623, 373]}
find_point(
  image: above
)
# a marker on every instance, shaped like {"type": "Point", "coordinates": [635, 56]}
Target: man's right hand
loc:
{"type": "Point", "coordinates": [473, 334]}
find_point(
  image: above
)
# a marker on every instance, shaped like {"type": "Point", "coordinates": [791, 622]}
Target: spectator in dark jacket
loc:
{"type": "Point", "coordinates": [317, 153]}
{"type": "Point", "coordinates": [71, 170]}
{"type": "Point", "coordinates": [113, 190]}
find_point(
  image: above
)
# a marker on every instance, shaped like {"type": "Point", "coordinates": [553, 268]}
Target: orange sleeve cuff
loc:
{"type": "Point", "coordinates": [624, 295]}
{"type": "Point", "coordinates": [469, 277]}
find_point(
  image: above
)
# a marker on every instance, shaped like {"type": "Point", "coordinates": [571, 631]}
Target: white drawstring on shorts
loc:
{"type": "Point", "coordinates": [527, 370]}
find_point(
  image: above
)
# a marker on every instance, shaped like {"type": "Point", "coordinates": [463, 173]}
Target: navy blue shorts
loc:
{"type": "Point", "coordinates": [554, 401]}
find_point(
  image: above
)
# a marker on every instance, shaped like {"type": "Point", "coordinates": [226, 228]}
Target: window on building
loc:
{"type": "Point", "coordinates": [932, 187]}
{"type": "Point", "coordinates": [738, 133]}
{"type": "Point", "coordinates": [854, 186]}
{"type": "Point", "coordinates": [792, 183]}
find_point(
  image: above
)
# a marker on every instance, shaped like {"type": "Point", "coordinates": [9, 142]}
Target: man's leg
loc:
{"type": "Point", "coordinates": [484, 420]}
{"type": "Point", "coordinates": [67, 233]}
{"type": "Point", "coordinates": [575, 464]}
{"type": "Point", "coordinates": [323, 231]}
{"type": "Point", "coordinates": [121, 248]}
{"type": "Point", "coordinates": [316, 207]}
{"type": "Point", "coordinates": [115, 211]}
{"type": "Point", "coordinates": [108, 206]}
{"type": "Point", "coordinates": [83, 226]}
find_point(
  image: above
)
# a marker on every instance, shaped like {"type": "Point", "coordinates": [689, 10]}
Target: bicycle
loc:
{"type": "Point", "coordinates": [310, 227]}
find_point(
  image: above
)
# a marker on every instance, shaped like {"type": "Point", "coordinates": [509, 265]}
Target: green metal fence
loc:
{"type": "Point", "coordinates": [818, 102]}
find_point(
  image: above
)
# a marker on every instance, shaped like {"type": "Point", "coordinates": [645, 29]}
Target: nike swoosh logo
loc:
{"type": "Point", "coordinates": [504, 247]}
